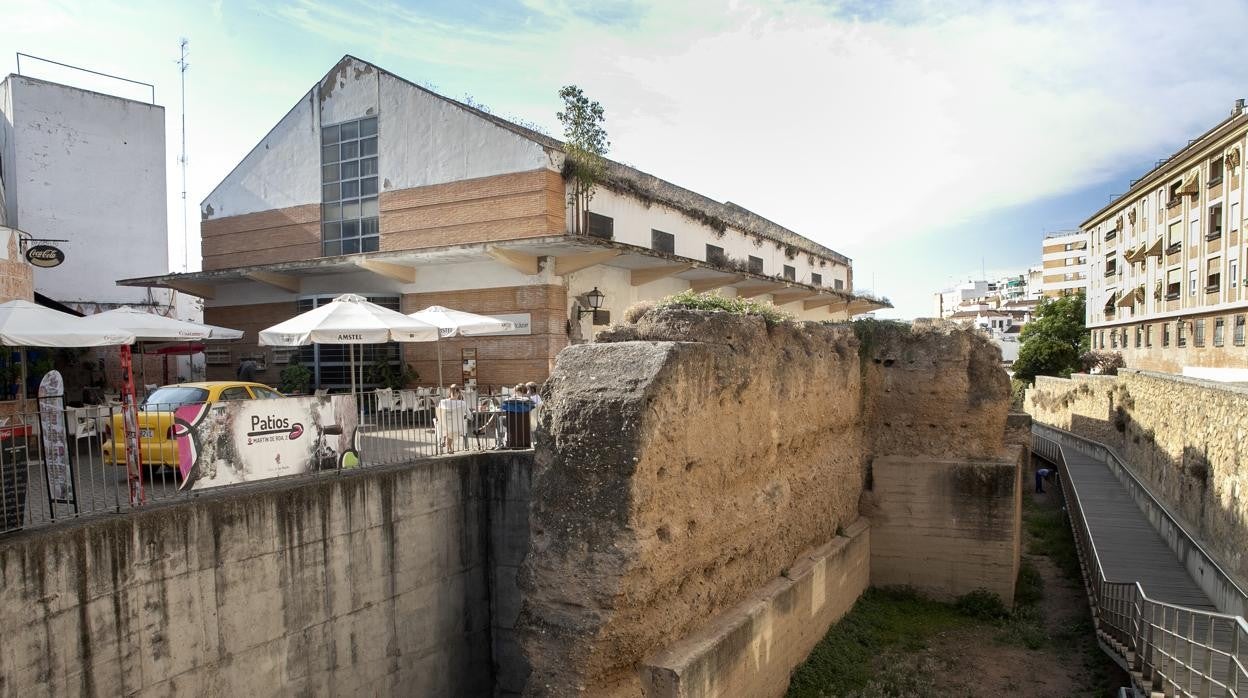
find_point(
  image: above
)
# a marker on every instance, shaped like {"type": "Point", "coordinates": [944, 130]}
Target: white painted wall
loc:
{"type": "Point", "coordinates": [421, 140]}
{"type": "Point", "coordinates": [6, 151]}
{"type": "Point", "coordinates": [283, 170]}
{"type": "Point", "coordinates": [634, 221]}
{"type": "Point", "coordinates": [425, 140]}
{"type": "Point", "coordinates": [89, 168]}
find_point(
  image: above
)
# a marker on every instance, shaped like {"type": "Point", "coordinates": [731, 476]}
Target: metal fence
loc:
{"type": "Point", "coordinates": [1170, 649]}
{"type": "Point", "coordinates": [393, 427]}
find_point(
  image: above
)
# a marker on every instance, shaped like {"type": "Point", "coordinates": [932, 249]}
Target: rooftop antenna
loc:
{"type": "Point", "coordinates": [186, 235]}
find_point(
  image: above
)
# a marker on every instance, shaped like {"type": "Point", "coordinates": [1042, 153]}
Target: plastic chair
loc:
{"type": "Point", "coordinates": [385, 398]}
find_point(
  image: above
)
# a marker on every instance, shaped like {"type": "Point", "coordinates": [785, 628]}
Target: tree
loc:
{"type": "Point", "coordinates": [585, 145]}
{"type": "Point", "coordinates": [1054, 340]}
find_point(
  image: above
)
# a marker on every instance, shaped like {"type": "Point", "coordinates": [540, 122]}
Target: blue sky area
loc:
{"type": "Point", "coordinates": [922, 139]}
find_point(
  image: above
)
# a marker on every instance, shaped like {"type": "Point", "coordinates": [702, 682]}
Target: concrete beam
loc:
{"type": "Point", "coordinates": [704, 285]}
{"type": "Point", "coordinates": [521, 262]}
{"type": "Point", "coordinates": [390, 270]}
{"type": "Point", "coordinates": [645, 276]}
{"type": "Point", "coordinates": [818, 302]}
{"type": "Point", "coordinates": [282, 281]}
{"type": "Point", "coordinates": [576, 262]}
{"type": "Point", "coordinates": [189, 287]}
{"type": "Point", "coordinates": [758, 290]}
{"type": "Point", "coordinates": [798, 294]}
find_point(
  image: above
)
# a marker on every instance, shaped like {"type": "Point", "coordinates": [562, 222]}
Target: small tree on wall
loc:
{"type": "Point", "coordinates": [585, 146]}
{"type": "Point", "coordinates": [1054, 340]}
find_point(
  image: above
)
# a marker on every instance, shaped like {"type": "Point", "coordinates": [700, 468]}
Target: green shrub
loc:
{"type": "Point", "coordinates": [295, 378]}
{"type": "Point", "coordinates": [982, 604]}
{"type": "Point", "coordinates": [689, 300]}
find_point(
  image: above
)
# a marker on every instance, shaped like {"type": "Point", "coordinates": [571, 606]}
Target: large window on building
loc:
{"type": "Point", "coordinates": [1234, 222]}
{"type": "Point", "coordinates": [1215, 222]}
{"type": "Point", "coordinates": [1180, 333]}
{"type": "Point", "coordinates": [1174, 284]}
{"type": "Point", "coordinates": [599, 226]}
{"type": "Point", "coordinates": [1219, 331]}
{"type": "Point", "coordinates": [816, 279]}
{"type": "Point", "coordinates": [1191, 282]}
{"type": "Point", "coordinates": [1239, 331]}
{"type": "Point", "coordinates": [662, 242]}
{"type": "Point", "coordinates": [1174, 240]}
{"type": "Point", "coordinates": [1215, 170]}
{"type": "Point", "coordinates": [1233, 272]}
{"type": "Point", "coordinates": [349, 188]}
{"type": "Point", "coordinates": [754, 264]}
{"type": "Point", "coordinates": [715, 255]}
{"type": "Point", "coordinates": [1213, 275]}
{"type": "Point", "coordinates": [331, 363]}
{"type": "Point", "coordinates": [790, 273]}
{"type": "Point", "coordinates": [1198, 332]}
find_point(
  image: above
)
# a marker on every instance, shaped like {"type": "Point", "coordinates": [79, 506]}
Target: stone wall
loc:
{"type": "Point", "coordinates": [688, 460]}
{"type": "Point", "coordinates": [946, 527]}
{"type": "Point", "coordinates": [1183, 437]}
{"type": "Point", "coordinates": [377, 582]}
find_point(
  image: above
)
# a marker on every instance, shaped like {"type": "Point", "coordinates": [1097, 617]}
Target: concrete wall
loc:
{"type": "Point", "coordinates": [89, 168]}
{"type": "Point", "coordinates": [380, 581]}
{"type": "Point", "coordinates": [947, 528]}
{"type": "Point", "coordinates": [688, 462]}
{"type": "Point", "coordinates": [752, 648]}
{"type": "Point", "coordinates": [1182, 436]}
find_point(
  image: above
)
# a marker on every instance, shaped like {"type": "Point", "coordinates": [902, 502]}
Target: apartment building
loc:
{"type": "Point", "coordinates": [1165, 274]}
{"type": "Point", "coordinates": [374, 185]}
{"type": "Point", "coordinates": [1064, 258]}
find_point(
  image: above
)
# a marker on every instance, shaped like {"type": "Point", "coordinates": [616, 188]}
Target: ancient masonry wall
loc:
{"type": "Point", "coordinates": [689, 463]}
{"type": "Point", "coordinates": [1184, 437]}
{"type": "Point", "coordinates": [384, 581]}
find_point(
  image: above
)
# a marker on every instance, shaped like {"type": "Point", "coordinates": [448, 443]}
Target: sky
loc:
{"type": "Point", "coordinates": [926, 140]}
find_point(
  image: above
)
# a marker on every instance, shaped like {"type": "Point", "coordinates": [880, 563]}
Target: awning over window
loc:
{"type": "Point", "coordinates": [1109, 304]}
{"type": "Point", "coordinates": [1190, 183]}
{"type": "Point", "coordinates": [1154, 250]}
{"type": "Point", "coordinates": [1127, 300]}
{"type": "Point", "coordinates": [1135, 254]}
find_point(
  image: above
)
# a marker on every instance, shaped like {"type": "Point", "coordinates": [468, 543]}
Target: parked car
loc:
{"type": "Point", "coordinates": [157, 446]}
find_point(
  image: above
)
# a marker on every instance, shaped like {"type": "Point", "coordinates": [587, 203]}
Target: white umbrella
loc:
{"type": "Point", "coordinates": [151, 327]}
{"type": "Point", "coordinates": [457, 322]}
{"type": "Point", "coordinates": [348, 319]}
{"type": "Point", "coordinates": [23, 323]}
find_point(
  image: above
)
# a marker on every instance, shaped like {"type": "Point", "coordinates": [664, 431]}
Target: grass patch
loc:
{"type": "Point", "coordinates": [981, 604]}
{"type": "Point", "coordinates": [1048, 534]}
{"type": "Point", "coordinates": [689, 300]}
{"type": "Point", "coordinates": [893, 622]}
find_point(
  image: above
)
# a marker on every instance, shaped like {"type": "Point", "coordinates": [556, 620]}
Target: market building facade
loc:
{"type": "Point", "coordinates": [1166, 275]}
{"type": "Point", "coordinates": [374, 185]}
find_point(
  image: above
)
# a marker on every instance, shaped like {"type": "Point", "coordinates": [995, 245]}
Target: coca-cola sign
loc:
{"type": "Point", "coordinates": [45, 256]}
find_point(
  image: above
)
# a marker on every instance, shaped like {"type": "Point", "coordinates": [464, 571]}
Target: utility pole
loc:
{"type": "Point", "coordinates": [186, 235]}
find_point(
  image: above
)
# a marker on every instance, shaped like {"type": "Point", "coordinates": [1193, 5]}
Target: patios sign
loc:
{"type": "Point", "coordinates": [242, 441]}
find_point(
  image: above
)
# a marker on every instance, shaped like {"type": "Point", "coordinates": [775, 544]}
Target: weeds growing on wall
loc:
{"type": "Point", "coordinates": [689, 300]}
{"type": "Point", "coordinates": [870, 332]}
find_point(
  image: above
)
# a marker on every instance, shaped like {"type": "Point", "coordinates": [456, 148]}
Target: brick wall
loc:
{"type": "Point", "coordinates": [1182, 436]}
{"type": "Point", "coordinates": [503, 360]}
{"type": "Point", "coordinates": [502, 207]}
{"type": "Point", "coordinates": [250, 319]}
{"type": "Point", "coordinates": [267, 237]}
{"type": "Point", "coordinates": [1173, 358]}
{"type": "Point", "coordinates": [16, 276]}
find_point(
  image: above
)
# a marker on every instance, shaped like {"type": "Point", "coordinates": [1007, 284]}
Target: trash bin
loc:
{"type": "Point", "coordinates": [516, 418]}
{"type": "Point", "coordinates": [14, 477]}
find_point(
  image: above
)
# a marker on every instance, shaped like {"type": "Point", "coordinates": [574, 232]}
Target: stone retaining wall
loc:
{"type": "Point", "coordinates": [1186, 438]}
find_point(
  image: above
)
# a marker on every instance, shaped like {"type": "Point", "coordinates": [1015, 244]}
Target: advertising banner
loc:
{"type": "Point", "coordinates": [55, 441]}
{"type": "Point", "coordinates": [248, 440]}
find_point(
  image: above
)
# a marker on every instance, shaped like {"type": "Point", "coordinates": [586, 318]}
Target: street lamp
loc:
{"type": "Point", "coordinates": [594, 298]}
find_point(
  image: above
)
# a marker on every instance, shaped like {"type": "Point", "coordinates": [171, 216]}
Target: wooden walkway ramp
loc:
{"type": "Point", "coordinates": [1129, 547]}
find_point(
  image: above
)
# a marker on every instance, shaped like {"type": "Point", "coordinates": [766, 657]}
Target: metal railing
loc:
{"type": "Point", "coordinates": [393, 427]}
{"type": "Point", "coordinates": [1167, 648]}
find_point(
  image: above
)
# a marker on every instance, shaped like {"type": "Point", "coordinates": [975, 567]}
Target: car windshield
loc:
{"type": "Point", "coordinates": [174, 396]}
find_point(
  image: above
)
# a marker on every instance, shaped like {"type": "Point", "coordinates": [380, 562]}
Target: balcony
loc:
{"type": "Point", "coordinates": [1213, 234]}
{"type": "Point", "coordinates": [1174, 247]}
{"type": "Point", "coordinates": [1173, 202]}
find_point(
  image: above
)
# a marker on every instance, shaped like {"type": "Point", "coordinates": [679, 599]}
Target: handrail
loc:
{"type": "Point", "coordinates": [1157, 504]}
{"type": "Point", "coordinates": [1166, 647]}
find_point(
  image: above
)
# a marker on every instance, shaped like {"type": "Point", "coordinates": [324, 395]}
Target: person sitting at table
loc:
{"type": "Point", "coordinates": [451, 414]}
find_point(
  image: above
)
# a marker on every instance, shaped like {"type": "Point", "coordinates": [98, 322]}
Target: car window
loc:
{"type": "Point", "coordinates": [263, 393]}
{"type": "Point", "coordinates": [237, 392]}
{"type": "Point", "coordinates": [172, 397]}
